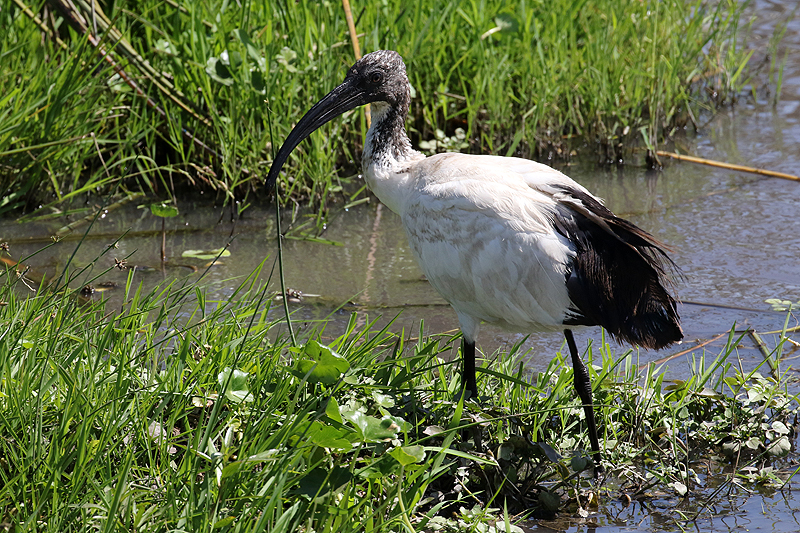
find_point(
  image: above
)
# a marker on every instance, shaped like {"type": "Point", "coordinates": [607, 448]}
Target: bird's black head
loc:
{"type": "Point", "coordinates": [381, 77]}
{"type": "Point", "coordinates": [376, 77]}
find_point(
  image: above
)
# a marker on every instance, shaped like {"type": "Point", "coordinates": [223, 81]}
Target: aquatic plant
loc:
{"type": "Point", "coordinates": [160, 98]}
{"type": "Point", "coordinates": [173, 411]}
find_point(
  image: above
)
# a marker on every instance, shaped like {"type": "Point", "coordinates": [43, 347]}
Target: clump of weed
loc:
{"type": "Point", "coordinates": [172, 411]}
{"type": "Point", "coordinates": [165, 100]}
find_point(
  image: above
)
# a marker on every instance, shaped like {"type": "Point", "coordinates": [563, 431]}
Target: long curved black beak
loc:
{"type": "Point", "coordinates": [343, 98]}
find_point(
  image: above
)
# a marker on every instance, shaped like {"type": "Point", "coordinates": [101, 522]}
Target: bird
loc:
{"type": "Point", "coordinates": [504, 240]}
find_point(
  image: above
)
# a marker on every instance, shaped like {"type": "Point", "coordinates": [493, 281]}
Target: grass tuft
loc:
{"type": "Point", "coordinates": [176, 412]}
{"type": "Point", "coordinates": [161, 98]}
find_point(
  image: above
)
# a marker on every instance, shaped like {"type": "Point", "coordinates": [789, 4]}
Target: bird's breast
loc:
{"type": "Point", "coordinates": [391, 180]}
{"type": "Point", "coordinates": [493, 257]}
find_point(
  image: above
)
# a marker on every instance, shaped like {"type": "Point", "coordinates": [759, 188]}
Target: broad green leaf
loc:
{"type": "Point", "coordinates": [507, 22]}
{"type": "Point", "coordinates": [753, 443]}
{"type": "Point", "coordinates": [372, 429]}
{"type": "Point", "coordinates": [675, 384]}
{"type": "Point", "coordinates": [733, 382]}
{"type": "Point", "coordinates": [379, 469]}
{"type": "Point", "coordinates": [231, 468]}
{"type": "Point", "coordinates": [321, 481]}
{"type": "Point", "coordinates": [164, 210]}
{"type": "Point", "coordinates": [232, 59]}
{"type": "Point", "coordinates": [780, 447]}
{"type": "Point", "coordinates": [237, 390]}
{"type": "Point", "coordinates": [257, 82]}
{"type": "Point", "coordinates": [679, 487]}
{"type": "Point", "coordinates": [731, 447]}
{"type": "Point", "coordinates": [218, 71]}
{"type": "Point", "coordinates": [225, 522]}
{"type": "Point", "coordinates": [755, 394]}
{"type": "Point", "coordinates": [549, 500]}
{"type": "Point", "coordinates": [548, 451]}
{"type": "Point", "coordinates": [383, 400]}
{"type": "Point", "coordinates": [332, 410]}
{"type": "Point", "coordinates": [285, 57]}
{"type": "Point", "coordinates": [579, 463]}
{"type": "Point", "coordinates": [324, 366]}
{"type": "Point", "coordinates": [206, 254]}
{"type": "Point", "coordinates": [780, 428]}
{"type": "Point", "coordinates": [166, 47]}
{"type": "Point", "coordinates": [329, 436]}
{"type": "Point", "coordinates": [406, 455]}
{"type": "Point", "coordinates": [710, 393]}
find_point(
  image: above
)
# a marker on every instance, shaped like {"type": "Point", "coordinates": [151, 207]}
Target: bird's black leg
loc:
{"type": "Point", "coordinates": [469, 388]}
{"type": "Point", "coordinates": [468, 375]}
{"type": "Point", "coordinates": [583, 386]}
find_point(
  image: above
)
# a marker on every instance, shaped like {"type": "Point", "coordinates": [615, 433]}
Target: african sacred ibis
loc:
{"type": "Point", "coordinates": [504, 240]}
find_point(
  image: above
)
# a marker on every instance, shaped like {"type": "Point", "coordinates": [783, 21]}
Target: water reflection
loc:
{"type": "Point", "coordinates": [736, 237]}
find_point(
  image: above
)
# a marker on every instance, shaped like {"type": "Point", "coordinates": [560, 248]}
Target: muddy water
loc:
{"type": "Point", "coordinates": [736, 237]}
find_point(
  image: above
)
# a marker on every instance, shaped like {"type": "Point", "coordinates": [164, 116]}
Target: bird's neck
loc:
{"type": "Point", "coordinates": [388, 155]}
{"type": "Point", "coordinates": [387, 140]}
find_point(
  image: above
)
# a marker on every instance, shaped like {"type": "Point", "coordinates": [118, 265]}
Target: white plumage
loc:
{"type": "Point", "coordinates": [504, 240]}
{"type": "Point", "coordinates": [483, 237]}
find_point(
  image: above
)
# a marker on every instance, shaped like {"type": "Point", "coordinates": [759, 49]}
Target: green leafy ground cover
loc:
{"type": "Point", "coordinates": [161, 96]}
{"type": "Point", "coordinates": [171, 412]}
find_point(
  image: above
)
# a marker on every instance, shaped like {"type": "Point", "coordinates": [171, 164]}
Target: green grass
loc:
{"type": "Point", "coordinates": [171, 412]}
{"type": "Point", "coordinates": [225, 81]}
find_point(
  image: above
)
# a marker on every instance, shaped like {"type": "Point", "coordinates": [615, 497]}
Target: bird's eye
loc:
{"type": "Point", "coordinates": [376, 77]}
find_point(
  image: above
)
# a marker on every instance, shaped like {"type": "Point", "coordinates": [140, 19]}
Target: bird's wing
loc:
{"type": "Point", "coordinates": [486, 241]}
{"type": "Point", "coordinates": [619, 277]}
{"type": "Point", "coordinates": [519, 243]}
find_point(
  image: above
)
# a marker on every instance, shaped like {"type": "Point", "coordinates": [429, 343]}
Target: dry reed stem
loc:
{"type": "Point", "coordinates": [730, 166]}
{"type": "Point", "coordinates": [351, 26]}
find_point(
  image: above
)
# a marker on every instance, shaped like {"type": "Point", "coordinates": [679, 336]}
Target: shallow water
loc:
{"type": "Point", "coordinates": [736, 237]}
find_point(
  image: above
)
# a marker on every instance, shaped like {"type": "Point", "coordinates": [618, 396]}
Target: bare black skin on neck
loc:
{"type": "Point", "coordinates": [376, 77]}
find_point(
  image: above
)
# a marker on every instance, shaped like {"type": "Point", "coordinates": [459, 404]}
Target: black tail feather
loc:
{"type": "Point", "coordinates": [619, 277]}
